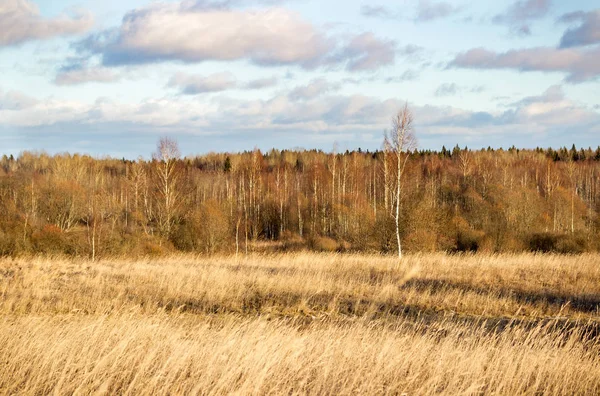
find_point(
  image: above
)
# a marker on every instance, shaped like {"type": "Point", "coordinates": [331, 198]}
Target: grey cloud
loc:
{"type": "Point", "coordinates": [314, 89]}
{"type": "Point", "coordinates": [408, 75]}
{"type": "Point", "coordinates": [367, 52]}
{"type": "Point", "coordinates": [262, 83]}
{"type": "Point", "coordinates": [523, 30]}
{"type": "Point", "coordinates": [265, 37]}
{"type": "Point", "coordinates": [452, 89]}
{"type": "Point", "coordinates": [228, 4]}
{"type": "Point", "coordinates": [21, 21]}
{"type": "Point", "coordinates": [190, 84]}
{"type": "Point", "coordinates": [446, 89]}
{"type": "Point", "coordinates": [548, 112]}
{"type": "Point", "coordinates": [521, 13]}
{"type": "Point", "coordinates": [579, 64]}
{"type": "Point", "coordinates": [448, 116]}
{"type": "Point", "coordinates": [331, 112]}
{"type": "Point", "coordinates": [553, 94]}
{"type": "Point", "coordinates": [426, 11]}
{"type": "Point", "coordinates": [570, 17]}
{"type": "Point", "coordinates": [213, 5]}
{"type": "Point", "coordinates": [294, 122]}
{"type": "Point", "coordinates": [193, 85]}
{"type": "Point", "coordinates": [429, 10]}
{"type": "Point", "coordinates": [588, 32]}
{"type": "Point", "coordinates": [410, 50]}
{"type": "Point", "coordinates": [373, 11]}
{"type": "Point", "coordinates": [525, 10]}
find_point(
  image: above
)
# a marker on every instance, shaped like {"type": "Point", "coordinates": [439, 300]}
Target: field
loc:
{"type": "Point", "coordinates": [302, 323]}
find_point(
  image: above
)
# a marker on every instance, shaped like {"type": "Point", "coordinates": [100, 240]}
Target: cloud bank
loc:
{"type": "Point", "coordinates": [267, 37]}
{"type": "Point", "coordinates": [579, 64]}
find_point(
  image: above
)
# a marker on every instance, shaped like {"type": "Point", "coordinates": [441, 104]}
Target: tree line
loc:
{"type": "Point", "coordinates": [491, 200]}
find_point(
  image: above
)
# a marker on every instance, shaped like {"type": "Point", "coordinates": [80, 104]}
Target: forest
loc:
{"type": "Point", "coordinates": [489, 200]}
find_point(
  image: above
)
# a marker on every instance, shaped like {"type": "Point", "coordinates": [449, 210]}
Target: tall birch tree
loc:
{"type": "Point", "coordinates": [401, 141]}
{"type": "Point", "coordinates": [166, 155]}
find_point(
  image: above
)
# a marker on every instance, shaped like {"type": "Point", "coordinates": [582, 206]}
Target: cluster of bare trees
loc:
{"type": "Point", "coordinates": [391, 200]}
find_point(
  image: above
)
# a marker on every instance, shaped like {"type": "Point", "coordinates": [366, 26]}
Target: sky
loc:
{"type": "Point", "coordinates": [109, 78]}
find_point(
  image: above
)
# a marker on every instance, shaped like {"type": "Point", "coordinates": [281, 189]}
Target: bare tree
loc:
{"type": "Point", "coordinates": [401, 141]}
{"type": "Point", "coordinates": [166, 155]}
{"type": "Point", "coordinates": [386, 180]}
{"type": "Point", "coordinates": [465, 163]}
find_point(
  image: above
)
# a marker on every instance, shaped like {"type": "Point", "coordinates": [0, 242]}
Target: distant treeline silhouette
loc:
{"type": "Point", "coordinates": [454, 200]}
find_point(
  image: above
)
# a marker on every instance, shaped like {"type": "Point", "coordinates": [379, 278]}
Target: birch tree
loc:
{"type": "Point", "coordinates": [401, 141]}
{"type": "Point", "coordinates": [166, 155]}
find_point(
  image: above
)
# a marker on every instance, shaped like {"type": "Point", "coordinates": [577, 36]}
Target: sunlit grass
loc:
{"type": "Point", "coordinates": [302, 323]}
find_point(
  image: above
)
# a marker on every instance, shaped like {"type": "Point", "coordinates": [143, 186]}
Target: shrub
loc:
{"type": "Point", "coordinates": [291, 242]}
{"type": "Point", "coordinates": [571, 244]}
{"type": "Point", "coordinates": [557, 243]}
{"type": "Point", "coordinates": [543, 242]}
{"type": "Point", "coordinates": [323, 244]}
{"type": "Point", "coordinates": [50, 239]}
{"type": "Point", "coordinates": [7, 244]}
{"type": "Point", "coordinates": [468, 241]}
{"type": "Point", "coordinates": [385, 234]}
{"type": "Point", "coordinates": [182, 236]}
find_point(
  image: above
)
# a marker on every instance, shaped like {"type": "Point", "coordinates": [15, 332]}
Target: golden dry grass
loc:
{"type": "Point", "coordinates": [302, 323]}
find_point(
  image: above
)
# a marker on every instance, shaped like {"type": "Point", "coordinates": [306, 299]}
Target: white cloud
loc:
{"type": "Point", "coordinates": [14, 100]}
{"type": "Point", "coordinates": [580, 64]}
{"type": "Point", "coordinates": [20, 21]}
{"type": "Point", "coordinates": [82, 75]}
{"type": "Point", "coordinates": [550, 113]}
{"type": "Point", "coordinates": [267, 37]}
{"type": "Point", "coordinates": [180, 32]}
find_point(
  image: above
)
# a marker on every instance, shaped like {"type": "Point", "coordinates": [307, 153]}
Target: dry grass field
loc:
{"type": "Point", "coordinates": [302, 324]}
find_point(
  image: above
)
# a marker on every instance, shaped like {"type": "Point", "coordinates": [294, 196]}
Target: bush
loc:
{"type": "Point", "coordinates": [206, 230]}
{"type": "Point", "coordinates": [543, 242]}
{"type": "Point", "coordinates": [322, 244]}
{"type": "Point", "coordinates": [557, 243]}
{"type": "Point", "coordinates": [291, 242]}
{"type": "Point", "coordinates": [421, 241]}
{"type": "Point", "coordinates": [183, 236]}
{"type": "Point", "coordinates": [385, 234]}
{"type": "Point", "coordinates": [468, 241]}
{"type": "Point", "coordinates": [571, 244]}
{"type": "Point", "coordinates": [50, 239]}
{"type": "Point", "coordinates": [7, 245]}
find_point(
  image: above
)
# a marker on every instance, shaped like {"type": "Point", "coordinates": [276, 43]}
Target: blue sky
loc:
{"type": "Point", "coordinates": [111, 77]}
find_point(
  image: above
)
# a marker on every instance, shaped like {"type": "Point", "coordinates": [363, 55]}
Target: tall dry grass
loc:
{"type": "Point", "coordinates": [303, 323]}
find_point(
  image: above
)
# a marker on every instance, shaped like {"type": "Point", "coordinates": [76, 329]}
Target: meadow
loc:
{"type": "Point", "coordinates": [301, 323]}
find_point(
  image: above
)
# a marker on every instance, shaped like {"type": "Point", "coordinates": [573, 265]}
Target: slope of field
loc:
{"type": "Point", "coordinates": [302, 323]}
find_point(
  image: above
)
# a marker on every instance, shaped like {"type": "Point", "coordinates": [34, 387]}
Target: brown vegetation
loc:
{"type": "Point", "coordinates": [302, 323]}
{"type": "Point", "coordinates": [459, 200]}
